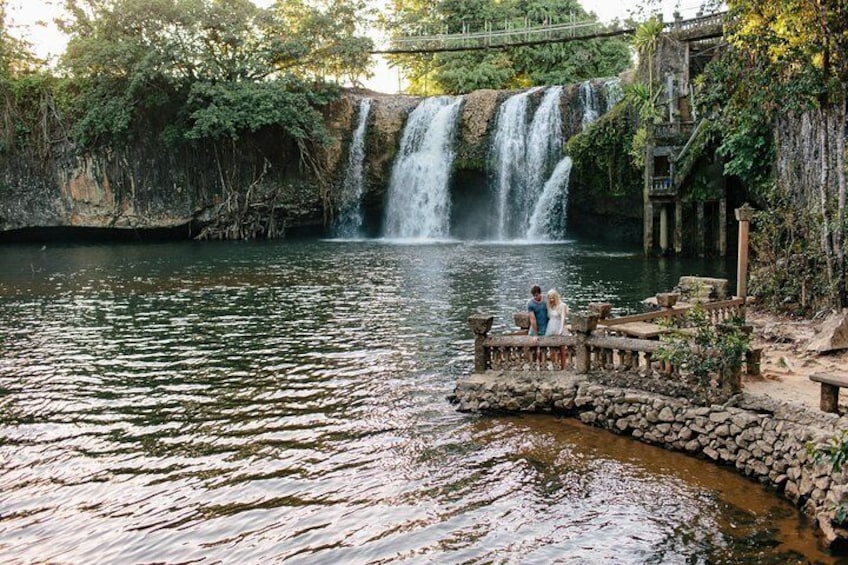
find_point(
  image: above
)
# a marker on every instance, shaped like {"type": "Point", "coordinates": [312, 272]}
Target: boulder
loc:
{"type": "Point", "coordinates": [701, 289]}
{"type": "Point", "coordinates": [833, 335]}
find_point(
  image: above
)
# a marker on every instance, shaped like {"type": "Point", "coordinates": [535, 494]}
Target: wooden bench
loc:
{"type": "Point", "coordinates": [830, 385]}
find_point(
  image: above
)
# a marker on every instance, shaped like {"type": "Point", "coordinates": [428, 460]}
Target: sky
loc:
{"type": "Point", "coordinates": [23, 17]}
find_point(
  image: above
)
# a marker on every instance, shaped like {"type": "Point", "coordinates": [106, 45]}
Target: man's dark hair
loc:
{"type": "Point", "coordinates": [535, 289]}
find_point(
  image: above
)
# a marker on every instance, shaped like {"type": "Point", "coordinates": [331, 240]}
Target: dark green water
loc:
{"type": "Point", "coordinates": [286, 402]}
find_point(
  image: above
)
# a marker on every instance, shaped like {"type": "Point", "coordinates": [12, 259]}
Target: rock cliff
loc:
{"type": "Point", "coordinates": [259, 186]}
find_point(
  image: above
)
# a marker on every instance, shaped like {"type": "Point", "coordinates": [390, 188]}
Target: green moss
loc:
{"type": "Point", "coordinates": [601, 156]}
{"type": "Point", "coordinates": [470, 164]}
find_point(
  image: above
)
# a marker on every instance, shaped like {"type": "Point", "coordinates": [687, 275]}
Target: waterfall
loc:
{"type": "Point", "coordinates": [549, 215]}
{"type": "Point", "coordinates": [418, 199]}
{"type": "Point", "coordinates": [508, 150]}
{"type": "Point", "coordinates": [544, 147]}
{"type": "Point", "coordinates": [349, 221]}
{"type": "Point", "coordinates": [523, 154]}
{"type": "Point", "coordinates": [589, 101]}
{"type": "Point", "coordinates": [614, 93]}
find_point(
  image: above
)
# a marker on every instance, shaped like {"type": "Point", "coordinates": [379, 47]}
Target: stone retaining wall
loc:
{"type": "Point", "coordinates": [762, 438]}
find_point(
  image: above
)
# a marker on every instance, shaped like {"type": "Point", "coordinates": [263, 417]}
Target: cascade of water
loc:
{"type": "Point", "coordinates": [589, 101]}
{"type": "Point", "coordinates": [549, 215]}
{"type": "Point", "coordinates": [508, 149]}
{"type": "Point", "coordinates": [418, 200]}
{"type": "Point", "coordinates": [544, 147]}
{"type": "Point", "coordinates": [349, 221]}
{"type": "Point", "coordinates": [523, 155]}
{"type": "Point", "coordinates": [614, 92]}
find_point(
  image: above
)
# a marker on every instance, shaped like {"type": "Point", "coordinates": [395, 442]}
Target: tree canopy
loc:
{"type": "Point", "coordinates": [16, 56]}
{"type": "Point", "coordinates": [208, 68]}
{"type": "Point", "coordinates": [787, 71]}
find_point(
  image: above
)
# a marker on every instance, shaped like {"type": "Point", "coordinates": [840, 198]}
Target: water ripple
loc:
{"type": "Point", "coordinates": [287, 402]}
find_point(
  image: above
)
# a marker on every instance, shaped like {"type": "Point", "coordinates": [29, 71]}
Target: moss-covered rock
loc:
{"type": "Point", "coordinates": [605, 192]}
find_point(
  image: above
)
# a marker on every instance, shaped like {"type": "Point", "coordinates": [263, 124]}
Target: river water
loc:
{"type": "Point", "coordinates": [287, 402]}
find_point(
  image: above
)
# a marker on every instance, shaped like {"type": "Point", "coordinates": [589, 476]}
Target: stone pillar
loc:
{"type": "Point", "coordinates": [582, 326]}
{"type": "Point", "coordinates": [663, 228]}
{"type": "Point", "coordinates": [522, 320]}
{"type": "Point", "coordinates": [480, 325]}
{"type": "Point", "coordinates": [648, 228]}
{"type": "Point", "coordinates": [722, 227]}
{"type": "Point", "coordinates": [699, 227]}
{"type": "Point", "coordinates": [667, 300]}
{"type": "Point", "coordinates": [678, 226]}
{"type": "Point", "coordinates": [602, 310]}
{"type": "Point", "coordinates": [744, 215]}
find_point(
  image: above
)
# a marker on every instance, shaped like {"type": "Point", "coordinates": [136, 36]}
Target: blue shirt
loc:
{"type": "Point", "coordinates": [540, 310]}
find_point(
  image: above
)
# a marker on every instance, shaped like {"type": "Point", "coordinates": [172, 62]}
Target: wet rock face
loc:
{"type": "Point", "coordinates": [477, 121]}
{"type": "Point", "coordinates": [148, 186]}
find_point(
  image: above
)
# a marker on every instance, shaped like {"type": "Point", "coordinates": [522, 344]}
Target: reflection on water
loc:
{"type": "Point", "coordinates": [266, 402]}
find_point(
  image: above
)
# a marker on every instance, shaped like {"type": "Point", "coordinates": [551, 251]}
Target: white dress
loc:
{"type": "Point", "coordinates": [556, 320]}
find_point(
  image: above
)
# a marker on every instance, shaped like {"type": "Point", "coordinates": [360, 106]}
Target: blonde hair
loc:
{"type": "Point", "coordinates": [555, 295]}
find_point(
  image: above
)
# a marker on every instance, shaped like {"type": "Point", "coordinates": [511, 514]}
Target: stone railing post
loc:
{"type": "Point", "coordinates": [582, 326]}
{"type": "Point", "coordinates": [480, 325]}
{"type": "Point", "coordinates": [744, 215]}
{"type": "Point", "coordinates": [667, 300]}
{"type": "Point", "coordinates": [602, 310]}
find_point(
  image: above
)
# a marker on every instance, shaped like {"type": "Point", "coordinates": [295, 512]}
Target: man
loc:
{"type": "Point", "coordinates": [538, 309]}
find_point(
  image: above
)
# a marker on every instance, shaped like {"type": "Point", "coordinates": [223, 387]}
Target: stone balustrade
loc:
{"type": "Point", "coordinates": [716, 312]}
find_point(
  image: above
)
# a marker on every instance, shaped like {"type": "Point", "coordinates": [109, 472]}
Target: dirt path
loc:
{"type": "Point", "coordinates": [786, 365]}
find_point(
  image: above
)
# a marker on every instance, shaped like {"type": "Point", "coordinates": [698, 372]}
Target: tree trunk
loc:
{"type": "Point", "coordinates": [824, 191]}
{"type": "Point", "coordinates": [841, 220]}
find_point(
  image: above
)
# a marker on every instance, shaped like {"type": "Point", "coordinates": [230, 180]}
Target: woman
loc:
{"type": "Point", "coordinates": [557, 314]}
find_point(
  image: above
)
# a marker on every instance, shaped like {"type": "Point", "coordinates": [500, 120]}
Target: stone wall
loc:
{"type": "Point", "coordinates": [762, 438]}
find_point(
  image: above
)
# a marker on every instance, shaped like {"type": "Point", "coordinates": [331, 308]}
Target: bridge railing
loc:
{"type": "Point", "coordinates": [494, 37]}
{"type": "Point", "coordinates": [529, 35]}
{"type": "Point", "coordinates": [698, 23]}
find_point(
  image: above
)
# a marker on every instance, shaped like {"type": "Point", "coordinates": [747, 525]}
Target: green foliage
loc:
{"type": "Point", "coordinates": [788, 58]}
{"type": "Point", "coordinates": [787, 265]}
{"type": "Point", "coordinates": [206, 68]}
{"type": "Point", "coordinates": [745, 119]}
{"type": "Point", "coordinates": [642, 97]}
{"type": "Point", "coordinates": [225, 109]}
{"type": "Point", "coordinates": [600, 155]}
{"type": "Point", "coordinates": [835, 452]}
{"type": "Point", "coordinates": [704, 350]}
{"type": "Point", "coordinates": [16, 56]}
{"type": "Point", "coordinates": [464, 72]}
{"type": "Point", "coordinates": [519, 67]}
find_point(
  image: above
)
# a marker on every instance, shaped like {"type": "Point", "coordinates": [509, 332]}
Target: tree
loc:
{"type": "Point", "coordinates": [28, 113]}
{"type": "Point", "coordinates": [207, 67]}
{"type": "Point", "coordinates": [789, 67]}
{"type": "Point", "coordinates": [16, 56]}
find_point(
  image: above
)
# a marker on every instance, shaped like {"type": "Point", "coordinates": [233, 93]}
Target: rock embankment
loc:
{"type": "Point", "coordinates": [762, 438]}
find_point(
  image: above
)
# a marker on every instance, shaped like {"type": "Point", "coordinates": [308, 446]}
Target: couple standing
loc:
{"type": "Point", "coordinates": [546, 317]}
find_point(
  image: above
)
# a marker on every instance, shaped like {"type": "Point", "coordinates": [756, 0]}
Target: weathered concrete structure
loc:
{"type": "Point", "coordinates": [675, 146]}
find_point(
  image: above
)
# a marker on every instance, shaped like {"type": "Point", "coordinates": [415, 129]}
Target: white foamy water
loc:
{"type": "Point", "coordinates": [419, 200]}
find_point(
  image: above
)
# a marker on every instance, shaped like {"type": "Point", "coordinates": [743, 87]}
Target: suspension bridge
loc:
{"type": "Point", "coordinates": [693, 29]}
